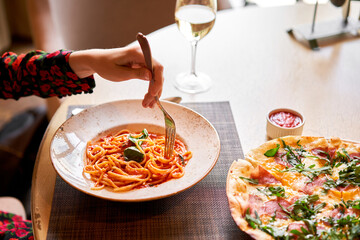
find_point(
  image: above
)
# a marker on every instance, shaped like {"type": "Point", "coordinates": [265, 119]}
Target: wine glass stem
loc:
{"type": "Point", "coordinates": [193, 56]}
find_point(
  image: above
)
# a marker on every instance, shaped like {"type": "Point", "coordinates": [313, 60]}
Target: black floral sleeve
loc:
{"type": "Point", "coordinates": [42, 74]}
{"type": "Point", "coordinates": [13, 227]}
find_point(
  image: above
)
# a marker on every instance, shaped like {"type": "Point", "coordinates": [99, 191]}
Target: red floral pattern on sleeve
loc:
{"type": "Point", "coordinates": [14, 227]}
{"type": "Point", "coordinates": [42, 74]}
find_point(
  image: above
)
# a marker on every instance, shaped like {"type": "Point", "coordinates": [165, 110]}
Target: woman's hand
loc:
{"type": "Point", "coordinates": [119, 64]}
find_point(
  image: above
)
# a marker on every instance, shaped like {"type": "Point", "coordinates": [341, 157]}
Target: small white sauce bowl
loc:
{"type": "Point", "coordinates": [275, 131]}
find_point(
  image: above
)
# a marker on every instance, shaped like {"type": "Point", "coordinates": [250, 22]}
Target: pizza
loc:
{"type": "Point", "coordinates": [297, 187]}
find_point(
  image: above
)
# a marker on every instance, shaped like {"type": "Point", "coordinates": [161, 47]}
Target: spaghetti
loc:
{"type": "Point", "coordinates": [127, 160]}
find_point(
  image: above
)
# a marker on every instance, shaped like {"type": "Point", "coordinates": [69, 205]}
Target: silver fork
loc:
{"type": "Point", "coordinates": [170, 128]}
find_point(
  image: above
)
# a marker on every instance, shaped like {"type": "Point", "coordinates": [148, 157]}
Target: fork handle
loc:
{"type": "Point", "coordinates": [145, 47]}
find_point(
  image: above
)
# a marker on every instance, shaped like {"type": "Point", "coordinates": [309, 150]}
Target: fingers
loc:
{"type": "Point", "coordinates": [155, 87]}
{"type": "Point", "coordinates": [149, 101]}
{"type": "Point", "coordinates": [130, 64]}
{"type": "Point", "coordinates": [137, 59]}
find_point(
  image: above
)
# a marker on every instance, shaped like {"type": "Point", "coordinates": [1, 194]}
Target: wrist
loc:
{"type": "Point", "coordinates": [81, 63]}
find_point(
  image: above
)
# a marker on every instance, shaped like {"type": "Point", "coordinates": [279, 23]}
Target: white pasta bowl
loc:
{"type": "Point", "coordinates": [67, 148]}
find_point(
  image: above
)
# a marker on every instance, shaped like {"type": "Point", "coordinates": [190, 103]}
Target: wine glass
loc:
{"type": "Point", "coordinates": [195, 19]}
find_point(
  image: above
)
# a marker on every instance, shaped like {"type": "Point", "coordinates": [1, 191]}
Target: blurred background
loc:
{"type": "Point", "coordinates": [50, 25]}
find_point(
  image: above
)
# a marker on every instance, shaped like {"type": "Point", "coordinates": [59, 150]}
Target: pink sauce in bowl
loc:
{"type": "Point", "coordinates": [285, 119]}
{"type": "Point", "coordinates": [284, 122]}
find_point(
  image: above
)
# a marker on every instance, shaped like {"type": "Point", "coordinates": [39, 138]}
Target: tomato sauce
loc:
{"type": "Point", "coordinates": [285, 119]}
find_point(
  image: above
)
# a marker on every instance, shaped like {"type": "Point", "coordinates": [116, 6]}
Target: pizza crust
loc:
{"type": "Point", "coordinates": [236, 191]}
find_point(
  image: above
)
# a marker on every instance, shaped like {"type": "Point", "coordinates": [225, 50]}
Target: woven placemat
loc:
{"type": "Point", "coordinates": [201, 212]}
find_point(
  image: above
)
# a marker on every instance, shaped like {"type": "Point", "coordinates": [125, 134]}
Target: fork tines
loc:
{"type": "Point", "coordinates": [169, 141]}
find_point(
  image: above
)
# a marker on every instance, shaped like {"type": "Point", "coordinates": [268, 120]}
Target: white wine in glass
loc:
{"type": "Point", "coordinates": [195, 19]}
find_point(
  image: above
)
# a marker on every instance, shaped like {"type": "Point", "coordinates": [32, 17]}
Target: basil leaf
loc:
{"type": "Point", "coordinates": [309, 172]}
{"type": "Point", "coordinates": [143, 136]}
{"type": "Point", "coordinates": [356, 204]}
{"type": "Point", "coordinates": [330, 183]}
{"type": "Point", "coordinates": [132, 153]}
{"type": "Point", "coordinates": [182, 159]}
{"type": "Point", "coordinates": [326, 154]}
{"type": "Point", "coordinates": [296, 232]}
{"type": "Point", "coordinates": [250, 180]}
{"type": "Point", "coordinates": [276, 233]}
{"type": "Point", "coordinates": [273, 151]}
{"type": "Point", "coordinates": [253, 222]}
{"type": "Point", "coordinates": [303, 208]}
{"type": "Point", "coordinates": [293, 155]}
{"type": "Point", "coordinates": [277, 191]}
{"type": "Point", "coordinates": [347, 227]}
{"type": "Point", "coordinates": [351, 203]}
{"type": "Point", "coordinates": [351, 174]}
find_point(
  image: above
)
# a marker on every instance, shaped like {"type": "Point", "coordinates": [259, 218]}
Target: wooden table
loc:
{"type": "Point", "coordinates": [256, 66]}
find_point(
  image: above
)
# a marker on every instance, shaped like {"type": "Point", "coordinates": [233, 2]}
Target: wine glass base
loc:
{"type": "Point", "coordinates": [191, 83]}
